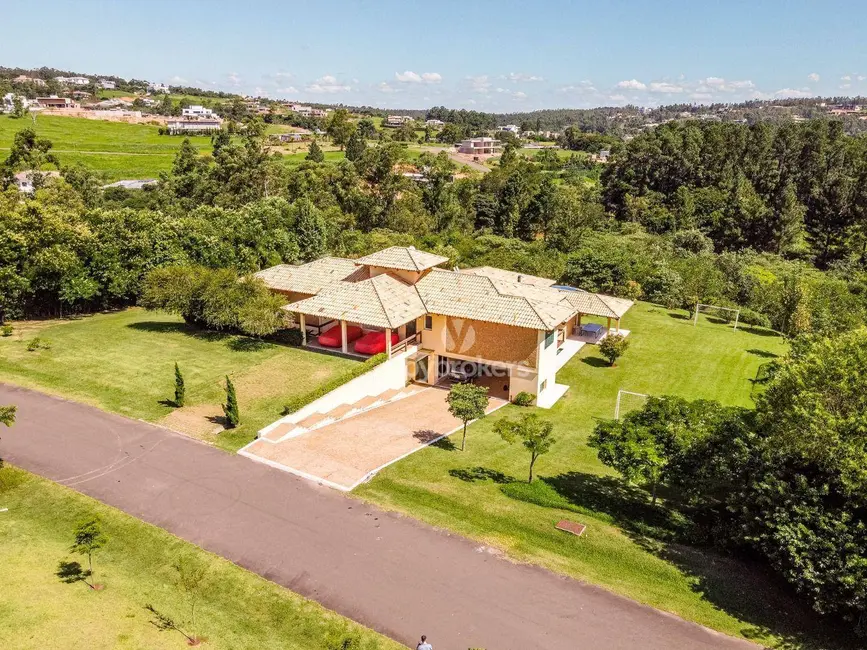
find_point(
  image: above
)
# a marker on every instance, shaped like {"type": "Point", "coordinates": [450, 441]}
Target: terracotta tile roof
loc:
{"type": "Point", "coordinates": [381, 301]}
{"type": "Point", "coordinates": [307, 278]}
{"type": "Point", "coordinates": [466, 295]}
{"type": "Point", "coordinates": [597, 304]}
{"type": "Point", "coordinates": [509, 276]}
{"type": "Point", "coordinates": [406, 258]}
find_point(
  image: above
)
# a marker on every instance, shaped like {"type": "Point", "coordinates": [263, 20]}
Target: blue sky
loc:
{"type": "Point", "coordinates": [500, 56]}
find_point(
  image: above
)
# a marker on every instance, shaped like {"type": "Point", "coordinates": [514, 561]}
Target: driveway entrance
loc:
{"type": "Point", "coordinates": [344, 454]}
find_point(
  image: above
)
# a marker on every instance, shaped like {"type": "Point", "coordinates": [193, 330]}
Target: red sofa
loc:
{"type": "Point", "coordinates": [374, 342]}
{"type": "Point", "coordinates": [331, 338]}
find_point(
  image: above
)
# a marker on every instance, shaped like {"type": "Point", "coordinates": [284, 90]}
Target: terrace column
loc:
{"type": "Point", "coordinates": [618, 325]}
{"type": "Point", "coordinates": [609, 323]}
{"type": "Point", "coordinates": [303, 323]}
{"type": "Point", "coordinates": [388, 342]}
{"type": "Point", "coordinates": [343, 344]}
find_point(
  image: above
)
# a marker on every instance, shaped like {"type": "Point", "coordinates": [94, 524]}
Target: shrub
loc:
{"type": "Point", "coordinates": [523, 399]}
{"type": "Point", "coordinates": [230, 408]}
{"type": "Point", "coordinates": [301, 401]}
{"type": "Point", "coordinates": [754, 318]}
{"type": "Point", "coordinates": [38, 344]}
{"type": "Point", "coordinates": [6, 330]}
{"type": "Point", "coordinates": [613, 346]}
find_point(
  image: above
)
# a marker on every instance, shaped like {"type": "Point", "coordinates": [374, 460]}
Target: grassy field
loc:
{"type": "Point", "coordinates": [124, 362]}
{"type": "Point", "coordinates": [625, 547]}
{"type": "Point", "coordinates": [118, 149]}
{"type": "Point", "coordinates": [236, 608]}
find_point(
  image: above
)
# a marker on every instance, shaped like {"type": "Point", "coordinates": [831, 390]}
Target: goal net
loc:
{"type": "Point", "coordinates": [628, 401]}
{"type": "Point", "coordinates": [728, 314]}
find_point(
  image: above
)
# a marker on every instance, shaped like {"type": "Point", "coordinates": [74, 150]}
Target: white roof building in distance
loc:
{"type": "Point", "coordinates": [196, 111]}
{"type": "Point", "coordinates": [157, 88]}
{"type": "Point", "coordinates": [511, 128]}
{"type": "Point", "coordinates": [397, 120]}
{"type": "Point", "coordinates": [107, 84]}
{"type": "Point", "coordinates": [73, 81]}
{"type": "Point", "coordinates": [434, 123]}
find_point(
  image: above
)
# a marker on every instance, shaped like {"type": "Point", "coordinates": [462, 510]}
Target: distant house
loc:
{"type": "Point", "coordinates": [511, 128]}
{"type": "Point", "coordinates": [73, 81]}
{"type": "Point", "coordinates": [24, 79]}
{"type": "Point", "coordinates": [480, 146]}
{"type": "Point", "coordinates": [435, 123]}
{"type": "Point", "coordinates": [397, 120]}
{"type": "Point", "coordinates": [193, 126]}
{"type": "Point", "coordinates": [196, 111]}
{"type": "Point", "coordinates": [53, 101]}
{"type": "Point", "coordinates": [107, 84]}
{"type": "Point", "coordinates": [604, 155]}
{"type": "Point", "coordinates": [291, 137]}
{"type": "Point", "coordinates": [80, 94]}
{"type": "Point", "coordinates": [133, 184]}
{"type": "Point", "coordinates": [157, 88]}
{"type": "Point", "coordinates": [24, 180]}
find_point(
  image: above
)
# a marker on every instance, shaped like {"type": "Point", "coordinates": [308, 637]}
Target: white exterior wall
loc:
{"type": "Point", "coordinates": [390, 374]}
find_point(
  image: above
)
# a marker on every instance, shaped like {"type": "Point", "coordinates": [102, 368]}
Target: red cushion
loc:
{"type": "Point", "coordinates": [374, 342]}
{"type": "Point", "coordinates": [331, 338]}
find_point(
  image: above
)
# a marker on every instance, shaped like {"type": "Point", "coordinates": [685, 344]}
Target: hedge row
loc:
{"type": "Point", "coordinates": [301, 401]}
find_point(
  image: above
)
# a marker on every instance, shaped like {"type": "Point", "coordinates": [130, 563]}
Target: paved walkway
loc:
{"type": "Point", "coordinates": [388, 572]}
{"type": "Point", "coordinates": [346, 452]}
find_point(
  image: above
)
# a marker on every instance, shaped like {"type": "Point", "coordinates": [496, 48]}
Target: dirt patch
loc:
{"type": "Point", "coordinates": [202, 421]}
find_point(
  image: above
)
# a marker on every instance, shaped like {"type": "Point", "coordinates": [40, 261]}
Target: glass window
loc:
{"type": "Point", "coordinates": [428, 322]}
{"type": "Point", "coordinates": [550, 337]}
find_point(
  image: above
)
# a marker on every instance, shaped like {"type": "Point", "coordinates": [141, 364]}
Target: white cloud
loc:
{"type": "Point", "coordinates": [328, 85]}
{"type": "Point", "coordinates": [845, 86]}
{"type": "Point", "coordinates": [177, 80]}
{"type": "Point", "coordinates": [288, 90]}
{"type": "Point", "coordinates": [861, 77]}
{"type": "Point", "coordinates": [522, 76]}
{"type": "Point", "coordinates": [794, 92]}
{"type": "Point", "coordinates": [584, 86]}
{"type": "Point", "coordinates": [384, 87]}
{"type": "Point", "coordinates": [233, 78]}
{"type": "Point", "coordinates": [632, 84]}
{"type": "Point", "coordinates": [665, 87]}
{"type": "Point", "coordinates": [480, 84]}
{"type": "Point", "coordinates": [519, 95]}
{"type": "Point", "coordinates": [701, 97]}
{"type": "Point", "coordinates": [410, 77]}
{"type": "Point", "coordinates": [814, 76]}
{"type": "Point", "coordinates": [846, 78]}
{"type": "Point", "coordinates": [718, 84]}
{"type": "Point", "coordinates": [617, 98]}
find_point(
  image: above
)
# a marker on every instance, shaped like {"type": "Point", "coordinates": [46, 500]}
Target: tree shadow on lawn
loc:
{"type": "Point", "coordinates": [477, 474]}
{"type": "Point", "coordinates": [233, 341]}
{"type": "Point", "coordinates": [70, 572]}
{"type": "Point", "coordinates": [764, 354]}
{"type": "Point", "coordinates": [595, 362]}
{"type": "Point", "coordinates": [744, 589]}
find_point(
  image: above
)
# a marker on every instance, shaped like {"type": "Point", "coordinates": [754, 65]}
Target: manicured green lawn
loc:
{"type": "Point", "coordinates": [236, 608]}
{"type": "Point", "coordinates": [624, 547]}
{"type": "Point", "coordinates": [124, 362]}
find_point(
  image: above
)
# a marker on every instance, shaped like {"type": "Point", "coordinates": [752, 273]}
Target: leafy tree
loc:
{"type": "Point", "coordinates": [310, 230]}
{"type": "Point", "coordinates": [230, 408]}
{"type": "Point", "coordinates": [339, 127]}
{"type": "Point", "coordinates": [18, 108]}
{"type": "Point", "coordinates": [467, 402]}
{"type": "Point", "coordinates": [531, 431]}
{"type": "Point", "coordinates": [366, 128]}
{"type": "Point", "coordinates": [192, 579]}
{"type": "Point", "coordinates": [180, 389]}
{"type": "Point", "coordinates": [355, 146]}
{"type": "Point", "coordinates": [7, 415]}
{"type": "Point", "coordinates": [315, 153]}
{"type": "Point", "coordinates": [613, 346]}
{"type": "Point", "coordinates": [28, 151]}
{"type": "Point", "coordinates": [88, 538]}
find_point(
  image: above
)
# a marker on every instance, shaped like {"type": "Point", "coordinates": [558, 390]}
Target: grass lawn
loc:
{"type": "Point", "coordinates": [118, 149]}
{"type": "Point", "coordinates": [124, 362]}
{"type": "Point", "coordinates": [477, 493]}
{"type": "Point", "coordinates": [236, 608]}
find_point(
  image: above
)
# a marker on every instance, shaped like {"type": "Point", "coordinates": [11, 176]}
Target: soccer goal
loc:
{"type": "Point", "coordinates": [699, 306]}
{"type": "Point", "coordinates": [628, 401]}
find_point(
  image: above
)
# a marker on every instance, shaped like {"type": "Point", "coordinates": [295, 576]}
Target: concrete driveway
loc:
{"type": "Point", "coordinates": [344, 454]}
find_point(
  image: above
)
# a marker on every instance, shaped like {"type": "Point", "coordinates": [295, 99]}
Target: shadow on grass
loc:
{"type": "Point", "coordinates": [70, 572]}
{"type": "Point", "coordinates": [759, 331]}
{"type": "Point", "coordinates": [595, 362]}
{"type": "Point", "coordinates": [674, 314]}
{"type": "Point", "coordinates": [445, 444]}
{"type": "Point", "coordinates": [233, 341]}
{"type": "Point", "coordinates": [742, 588]}
{"type": "Point", "coordinates": [764, 354]}
{"type": "Point", "coordinates": [168, 402]}
{"type": "Point", "coordinates": [481, 474]}
{"type": "Point", "coordinates": [217, 419]}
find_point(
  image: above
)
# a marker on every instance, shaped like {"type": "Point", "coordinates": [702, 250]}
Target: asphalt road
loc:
{"type": "Point", "coordinates": [386, 571]}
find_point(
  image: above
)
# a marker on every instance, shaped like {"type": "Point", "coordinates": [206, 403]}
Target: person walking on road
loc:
{"type": "Point", "coordinates": [424, 645]}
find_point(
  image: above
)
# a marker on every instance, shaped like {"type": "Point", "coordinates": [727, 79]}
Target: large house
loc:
{"type": "Point", "coordinates": [509, 331]}
{"type": "Point", "coordinates": [397, 120]}
{"type": "Point", "coordinates": [480, 146]}
{"type": "Point", "coordinates": [73, 81]}
{"type": "Point", "coordinates": [196, 111]}
{"type": "Point", "coordinates": [175, 125]}
{"type": "Point", "coordinates": [53, 101]}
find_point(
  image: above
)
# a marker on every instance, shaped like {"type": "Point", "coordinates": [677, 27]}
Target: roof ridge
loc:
{"type": "Point", "coordinates": [524, 298]}
{"type": "Point", "coordinates": [375, 286]}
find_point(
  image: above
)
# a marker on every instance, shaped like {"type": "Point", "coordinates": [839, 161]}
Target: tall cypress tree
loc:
{"type": "Point", "coordinates": [180, 389]}
{"type": "Point", "coordinates": [314, 153]}
{"type": "Point", "coordinates": [230, 408]}
{"type": "Point", "coordinates": [355, 146]}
